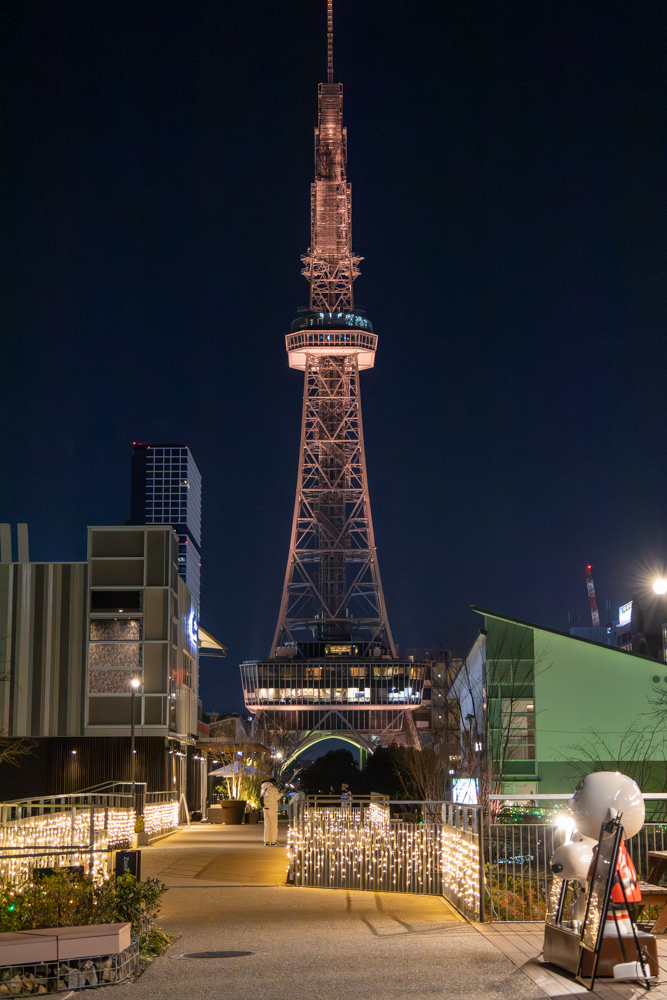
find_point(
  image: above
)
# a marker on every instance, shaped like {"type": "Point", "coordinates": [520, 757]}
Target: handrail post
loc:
{"type": "Point", "coordinates": [482, 870]}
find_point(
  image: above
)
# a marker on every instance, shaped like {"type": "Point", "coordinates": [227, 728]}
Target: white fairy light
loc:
{"type": "Point", "coordinates": [32, 837]}
{"type": "Point", "coordinates": [363, 849]}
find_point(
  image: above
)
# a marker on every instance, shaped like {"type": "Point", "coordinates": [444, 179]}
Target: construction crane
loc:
{"type": "Point", "coordinates": [590, 587]}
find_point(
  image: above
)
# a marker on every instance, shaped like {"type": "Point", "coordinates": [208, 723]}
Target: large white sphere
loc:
{"type": "Point", "coordinates": [572, 860]}
{"type": "Point", "coordinates": [602, 796]}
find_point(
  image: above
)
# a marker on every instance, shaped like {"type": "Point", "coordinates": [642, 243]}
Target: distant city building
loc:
{"type": "Point", "coordinates": [605, 634]}
{"type": "Point", "coordinates": [641, 627]}
{"type": "Point", "coordinates": [166, 489]}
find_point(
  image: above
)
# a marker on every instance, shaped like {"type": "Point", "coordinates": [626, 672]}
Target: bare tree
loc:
{"type": "Point", "coordinates": [640, 753]}
{"type": "Point", "coordinates": [14, 750]}
{"type": "Point", "coordinates": [238, 752]}
{"type": "Point", "coordinates": [281, 740]}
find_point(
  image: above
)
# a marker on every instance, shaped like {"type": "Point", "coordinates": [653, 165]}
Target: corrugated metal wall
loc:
{"type": "Point", "coordinates": [42, 648]}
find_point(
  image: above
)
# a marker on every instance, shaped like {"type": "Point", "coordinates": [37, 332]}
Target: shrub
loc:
{"type": "Point", "coordinates": [65, 899]}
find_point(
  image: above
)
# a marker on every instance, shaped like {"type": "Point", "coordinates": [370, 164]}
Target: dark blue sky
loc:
{"type": "Point", "coordinates": [508, 165]}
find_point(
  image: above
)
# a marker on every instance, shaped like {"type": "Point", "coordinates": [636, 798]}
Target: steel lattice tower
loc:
{"type": "Point", "coordinates": [333, 666]}
{"type": "Point", "coordinates": [332, 591]}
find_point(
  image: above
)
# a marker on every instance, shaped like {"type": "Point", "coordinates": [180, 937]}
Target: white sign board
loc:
{"type": "Point", "coordinates": [464, 791]}
{"type": "Point", "coordinates": [625, 614]}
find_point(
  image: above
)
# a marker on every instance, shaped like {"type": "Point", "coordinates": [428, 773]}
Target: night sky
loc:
{"type": "Point", "coordinates": [508, 168]}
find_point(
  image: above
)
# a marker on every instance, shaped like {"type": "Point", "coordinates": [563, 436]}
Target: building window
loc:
{"type": "Point", "coordinates": [116, 600]}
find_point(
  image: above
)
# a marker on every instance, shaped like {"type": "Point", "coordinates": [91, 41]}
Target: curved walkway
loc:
{"type": "Point", "coordinates": [241, 940]}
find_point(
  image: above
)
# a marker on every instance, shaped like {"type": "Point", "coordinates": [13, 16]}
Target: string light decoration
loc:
{"type": "Point", "coordinates": [363, 848]}
{"type": "Point", "coordinates": [25, 843]}
{"type": "Point", "coordinates": [159, 817]}
{"type": "Point", "coordinates": [32, 837]}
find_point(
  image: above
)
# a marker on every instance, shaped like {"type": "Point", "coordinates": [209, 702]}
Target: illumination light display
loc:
{"type": "Point", "coordinates": [362, 848]}
{"type": "Point", "coordinates": [160, 817]}
{"type": "Point", "coordinates": [32, 837]}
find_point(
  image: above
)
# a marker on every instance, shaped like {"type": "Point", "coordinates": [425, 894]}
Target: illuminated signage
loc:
{"type": "Point", "coordinates": [464, 791]}
{"type": "Point", "coordinates": [340, 650]}
{"type": "Point", "coordinates": [193, 628]}
{"type": "Point", "coordinates": [625, 614]}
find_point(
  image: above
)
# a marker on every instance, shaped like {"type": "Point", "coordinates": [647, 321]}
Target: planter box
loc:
{"type": "Point", "coordinates": [561, 947]}
{"type": "Point", "coordinates": [22, 948]}
{"type": "Point", "coordinates": [215, 814]}
{"type": "Point", "coordinates": [233, 812]}
{"type": "Point", "coordinates": [84, 942]}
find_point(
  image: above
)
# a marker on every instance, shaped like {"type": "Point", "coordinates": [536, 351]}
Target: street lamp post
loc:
{"type": "Point", "coordinates": [135, 684]}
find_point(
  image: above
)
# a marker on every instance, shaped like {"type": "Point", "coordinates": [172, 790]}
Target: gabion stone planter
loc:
{"type": "Point", "coordinates": [70, 974]}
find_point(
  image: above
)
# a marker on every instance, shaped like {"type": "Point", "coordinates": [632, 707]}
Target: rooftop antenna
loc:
{"type": "Point", "coordinates": [330, 40]}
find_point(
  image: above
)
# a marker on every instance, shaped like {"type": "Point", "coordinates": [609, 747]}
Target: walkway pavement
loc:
{"type": "Point", "coordinates": [218, 855]}
{"type": "Point", "coordinates": [243, 934]}
{"type": "Point", "coordinates": [522, 944]}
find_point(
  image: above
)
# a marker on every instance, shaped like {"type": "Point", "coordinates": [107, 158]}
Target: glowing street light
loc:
{"type": "Point", "coordinates": [135, 684]}
{"type": "Point", "coordinates": [660, 586]}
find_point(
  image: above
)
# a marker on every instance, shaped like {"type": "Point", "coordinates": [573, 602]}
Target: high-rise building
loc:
{"type": "Point", "coordinates": [166, 489]}
{"type": "Point", "coordinates": [333, 663]}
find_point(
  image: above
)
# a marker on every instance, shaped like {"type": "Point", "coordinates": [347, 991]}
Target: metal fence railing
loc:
{"type": "Point", "coordinates": [518, 873]}
{"type": "Point", "coordinates": [379, 844]}
{"type": "Point", "coordinates": [79, 829]}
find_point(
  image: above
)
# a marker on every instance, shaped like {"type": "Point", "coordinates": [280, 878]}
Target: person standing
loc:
{"type": "Point", "coordinates": [270, 798]}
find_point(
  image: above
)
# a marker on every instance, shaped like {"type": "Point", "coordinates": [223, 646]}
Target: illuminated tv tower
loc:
{"type": "Point", "coordinates": [333, 666]}
{"type": "Point", "coordinates": [332, 591]}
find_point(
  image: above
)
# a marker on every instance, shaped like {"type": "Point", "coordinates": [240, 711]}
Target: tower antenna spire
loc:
{"type": "Point", "coordinates": [330, 41]}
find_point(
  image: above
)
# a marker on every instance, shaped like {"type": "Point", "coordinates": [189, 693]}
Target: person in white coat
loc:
{"type": "Point", "coordinates": [271, 796]}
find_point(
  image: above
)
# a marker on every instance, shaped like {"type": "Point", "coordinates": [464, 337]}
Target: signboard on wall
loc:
{"type": "Point", "coordinates": [464, 791]}
{"type": "Point", "coordinates": [625, 614]}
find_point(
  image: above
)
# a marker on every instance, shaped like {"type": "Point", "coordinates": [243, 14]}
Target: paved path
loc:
{"type": "Point", "coordinates": [241, 941]}
{"type": "Point", "coordinates": [223, 855]}
{"type": "Point", "coordinates": [522, 944]}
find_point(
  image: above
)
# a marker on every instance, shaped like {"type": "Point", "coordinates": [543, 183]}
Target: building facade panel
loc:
{"type": "Point", "coordinates": [43, 623]}
{"type": "Point", "coordinates": [145, 628]}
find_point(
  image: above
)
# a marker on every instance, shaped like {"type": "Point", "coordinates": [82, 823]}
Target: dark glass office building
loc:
{"type": "Point", "coordinates": [166, 489]}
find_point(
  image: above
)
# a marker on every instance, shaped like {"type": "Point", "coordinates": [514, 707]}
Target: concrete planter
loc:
{"type": "Point", "coordinates": [233, 812]}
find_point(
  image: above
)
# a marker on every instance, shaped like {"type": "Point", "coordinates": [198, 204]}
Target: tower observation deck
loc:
{"type": "Point", "coordinates": [333, 664]}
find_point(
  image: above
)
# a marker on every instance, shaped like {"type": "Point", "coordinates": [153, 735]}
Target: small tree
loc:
{"type": "Point", "coordinates": [240, 755]}
{"type": "Point", "coordinates": [13, 750]}
{"type": "Point", "coordinates": [281, 742]}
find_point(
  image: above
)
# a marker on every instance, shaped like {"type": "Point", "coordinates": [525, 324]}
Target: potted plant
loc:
{"type": "Point", "coordinates": [240, 764]}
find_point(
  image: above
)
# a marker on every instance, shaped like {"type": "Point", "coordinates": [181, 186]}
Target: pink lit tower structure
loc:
{"type": "Point", "coordinates": [333, 666]}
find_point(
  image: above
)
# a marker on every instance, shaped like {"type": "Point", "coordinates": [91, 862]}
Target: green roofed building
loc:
{"type": "Point", "coordinates": [540, 708]}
